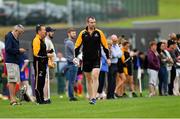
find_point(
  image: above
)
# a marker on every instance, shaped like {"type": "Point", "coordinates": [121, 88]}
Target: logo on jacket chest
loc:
{"type": "Point", "coordinates": [96, 35]}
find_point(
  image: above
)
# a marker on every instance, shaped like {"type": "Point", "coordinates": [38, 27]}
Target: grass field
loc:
{"type": "Point", "coordinates": [131, 107]}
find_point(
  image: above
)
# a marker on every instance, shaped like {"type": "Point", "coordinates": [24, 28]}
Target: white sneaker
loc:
{"type": "Point", "coordinates": [103, 95]}
{"type": "Point", "coordinates": [87, 96]}
{"type": "Point", "coordinates": [176, 93]}
{"type": "Point", "coordinates": [5, 98]}
{"type": "Point", "coordinates": [98, 96]}
{"type": "Point", "coordinates": [32, 98]}
{"type": "Point", "coordinates": [151, 95]}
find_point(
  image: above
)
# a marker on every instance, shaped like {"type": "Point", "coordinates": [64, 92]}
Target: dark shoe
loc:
{"type": "Point", "coordinates": [92, 101]}
{"type": "Point", "coordinates": [26, 97]}
{"type": "Point", "coordinates": [15, 103]}
{"type": "Point", "coordinates": [124, 95]}
{"type": "Point", "coordinates": [73, 99]}
{"type": "Point", "coordinates": [47, 101]}
{"type": "Point", "coordinates": [134, 94]}
{"type": "Point", "coordinates": [110, 96]}
{"type": "Point", "coordinates": [166, 94]}
{"type": "Point", "coordinates": [40, 102]}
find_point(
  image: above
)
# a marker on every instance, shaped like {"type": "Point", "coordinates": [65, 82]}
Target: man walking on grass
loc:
{"type": "Point", "coordinates": [91, 39]}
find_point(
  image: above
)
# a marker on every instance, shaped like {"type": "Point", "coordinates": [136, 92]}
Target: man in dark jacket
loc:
{"type": "Point", "coordinates": [91, 39]}
{"type": "Point", "coordinates": [12, 60]}
{"type": "Point", "coordinates": [40, 58]}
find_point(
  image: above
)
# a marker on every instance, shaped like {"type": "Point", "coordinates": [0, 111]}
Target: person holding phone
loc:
{"type": "Point", "coordinates": [13, 52]}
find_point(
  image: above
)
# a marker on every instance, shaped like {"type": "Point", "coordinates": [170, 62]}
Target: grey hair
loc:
{"type": "Point", "coordinates": [18, 26]}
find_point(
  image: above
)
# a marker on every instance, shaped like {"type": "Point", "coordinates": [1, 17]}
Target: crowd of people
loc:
{"type": "Point", "coordinates": [109, 66]}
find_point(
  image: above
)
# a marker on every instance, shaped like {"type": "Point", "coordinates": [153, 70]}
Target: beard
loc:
{"type": "Point", "coordinates": [51, 36]}
{"type": "Point", "coordinates": [73, 37]}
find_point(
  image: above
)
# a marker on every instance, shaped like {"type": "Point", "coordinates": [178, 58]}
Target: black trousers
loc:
{"type": "Point", "coordinates": [102, 77]}
{"type": "Point", "coordinates": [40, 74]}
{"type": "Point", "coordinates": [172, 78]}
{"type": "Point", "coordinates": [111, 81]}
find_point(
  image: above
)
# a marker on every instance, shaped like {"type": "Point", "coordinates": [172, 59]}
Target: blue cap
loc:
{"type": "Point", "coordinates": [49, 29]}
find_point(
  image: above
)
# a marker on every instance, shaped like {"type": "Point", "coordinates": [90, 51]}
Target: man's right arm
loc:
{"type": "Point", "coordinates": [78, 44]}
{"type": "Point", "coordinates": [104, 44]}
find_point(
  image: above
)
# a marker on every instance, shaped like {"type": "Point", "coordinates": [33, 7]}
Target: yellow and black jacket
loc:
{"type": "Point", "coordinates": [127, 61]}
{"type": "Point", "coordinates": [91, 44]}
{"type": "Point", "coordinates": [39, 48]}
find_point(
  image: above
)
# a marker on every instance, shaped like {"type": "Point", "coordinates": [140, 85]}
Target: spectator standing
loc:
{"type": "Point", "coordinates": [153, 68]}
{"type": "Point", "coordinates": [40, 60]}
{"type": "Point", "coordinates": [61, 71]}
{"type": "Point", "coordinates": [50, 73]}
{"type": "Point", "coordinates": [12, 60]}
{"type": "Point", "coordinates": [163, 73]}
{"type": "Point", "coordinates": [24, 76]}
{"type": "Point", "coordinates": [115, 54]}
{"type": "Point", "coordinates": [102, 76]}
{"type": "Point", "coordinates": [171, 49]}
{"type": "Point", "coordinates": [72, 69]}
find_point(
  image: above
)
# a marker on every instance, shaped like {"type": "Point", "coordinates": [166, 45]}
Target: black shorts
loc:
{"type": "Point", "coordinates": [130, 73]}
{"type": "Point", "coordinates": [120, 66]}
{"type": "Point", "coordinates": [120, 69]}
{"type": "Point", "coordinates": [89, 65]}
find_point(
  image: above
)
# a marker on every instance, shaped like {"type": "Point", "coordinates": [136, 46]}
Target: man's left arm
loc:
{"type": "Point", "coordinates": [104, 44]}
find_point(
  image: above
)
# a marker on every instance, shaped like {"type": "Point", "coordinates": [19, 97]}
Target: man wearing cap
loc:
{"type": "Point", "coordinates": [50, 69]}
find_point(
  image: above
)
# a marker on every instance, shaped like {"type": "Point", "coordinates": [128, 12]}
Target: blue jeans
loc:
{"type": "Point", "coordinates": [163, 80]}
{"type": "Point", "coordinates": [71, 75]}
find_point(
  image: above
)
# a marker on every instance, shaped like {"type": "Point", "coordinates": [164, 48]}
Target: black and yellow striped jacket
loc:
{"type": "Point", "coordinates": [39, 48]}
{"type": "Point", "coordinates": [91, 44]}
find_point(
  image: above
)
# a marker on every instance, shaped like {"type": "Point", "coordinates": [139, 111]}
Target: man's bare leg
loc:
{"type": "Point", "coordinates": [95, 77]}
{"type": "Point", "coordinates": [89, 84]}
{"type": "Point", "coordinates": [151, 90]}
{"type": "Point", "coordinates": [12, 92]}
{"type": "Point", "coordinates": [131, 82]}
{"type": "Point", "coordinates": [121, 84]}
